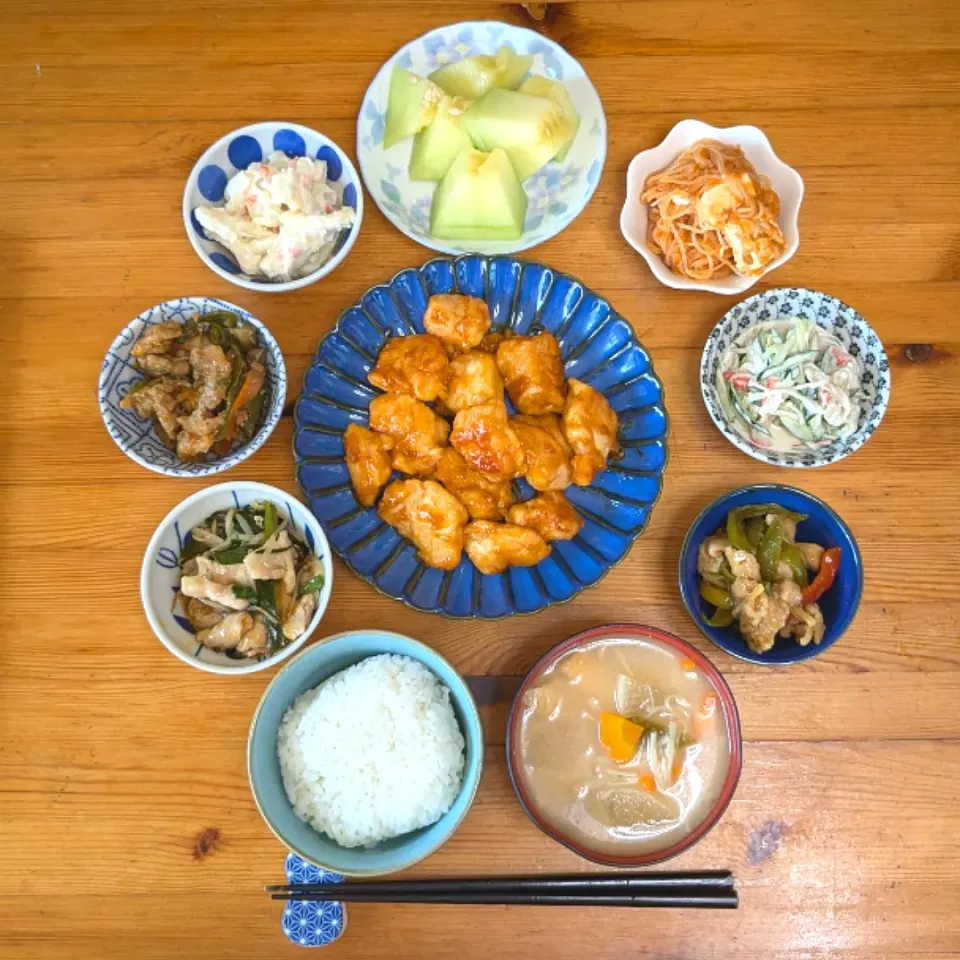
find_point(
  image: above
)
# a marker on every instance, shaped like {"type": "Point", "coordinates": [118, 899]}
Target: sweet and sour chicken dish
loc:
{"type": "Point", "coordinates": [444, 423]}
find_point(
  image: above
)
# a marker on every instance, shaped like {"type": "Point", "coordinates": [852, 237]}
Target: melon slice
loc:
{"type": "Point", "coordinates": [542, 87]}
{"type": "Point", "coordinates": [438, 145]}
{"type": "Point", "coordinates": [412, 104]}
{"type": "Point", "coordinates": [532, 130]}
{"type": "Point", "coordinates": [480, 198]}
{"type": "Point", "coordinates": [472, 77]}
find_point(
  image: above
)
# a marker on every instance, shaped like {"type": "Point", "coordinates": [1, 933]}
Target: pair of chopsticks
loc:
{"type": "Point", "coordinates": [705, 890]}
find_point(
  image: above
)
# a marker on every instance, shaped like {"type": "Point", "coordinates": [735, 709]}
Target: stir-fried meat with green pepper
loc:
{"type": "Point", "coordinates": [205, 383]}
{"type": "Point", "coordinates": [248, 584]}
{"type": "Point", "coordinates": [755, 573]}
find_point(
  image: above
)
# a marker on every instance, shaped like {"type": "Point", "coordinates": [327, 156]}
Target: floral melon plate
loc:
{"type": "Point", "coordinates": [556, 194]}
{"type": "Point", "coordinates": [598, 346]}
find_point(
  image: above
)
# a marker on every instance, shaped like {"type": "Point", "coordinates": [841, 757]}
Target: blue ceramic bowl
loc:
{"type": "Point", "coordinates": [235, 152]}
{"type": "Point", "coordinates": [597, 345]}
{"type": "Point", "coordinates": [304, 672]}
{"type": "Point", "coordinates": [839, 604]}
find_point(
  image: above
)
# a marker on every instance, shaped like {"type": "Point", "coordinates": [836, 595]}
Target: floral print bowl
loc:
{"type": "Point", "coordinates": [556, 194]}
{"type": "Point", "coordinates": [833, 315]}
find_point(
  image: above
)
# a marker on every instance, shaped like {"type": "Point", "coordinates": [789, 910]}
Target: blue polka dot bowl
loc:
{"type": "Point", "coordinates": [251, 144]}
{"type": "Point", "coordinates": [556, 194]}
{"type": "Point", "coordinates": [137, 437]}
{"type": "Point", "coordinates": [823, 525]}
{"type": "Point", "coordinates": [160, 572]}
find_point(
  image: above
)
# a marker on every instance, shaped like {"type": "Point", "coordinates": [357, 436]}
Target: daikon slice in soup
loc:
{"type": "Point", "coordinates": [623, 746]}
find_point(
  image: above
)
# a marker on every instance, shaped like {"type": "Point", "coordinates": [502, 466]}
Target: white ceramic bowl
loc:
{"type": "Point", "coordinates": [785, 180]}
{"type": "Point", "coordinates": [137, 437]}
{"type": "Point", "coordinates": [236, 151]}
{"type": "Point", "coordinates": [160, 573]}
{"type": "Point", "coordinates": [556, 194]}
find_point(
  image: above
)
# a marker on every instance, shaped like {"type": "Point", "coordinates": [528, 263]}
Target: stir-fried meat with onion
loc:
{"type": "Point", "coordinates": [756, 574]}
{"type": "Point", "coordinates": [248, 584]}
{"type": "Point", "coordinates": [205, 383]}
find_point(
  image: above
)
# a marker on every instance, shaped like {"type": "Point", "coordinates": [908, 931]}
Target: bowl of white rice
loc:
{"type": "Point", "coordinates": [365, 753]}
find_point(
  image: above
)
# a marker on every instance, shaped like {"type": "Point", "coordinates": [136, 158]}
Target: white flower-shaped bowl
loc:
{"type": "Point", "coordinates": [754, 143]}
{"type": "Point", "coordinates": [236, 151]}
{"type": "Point", "coordinates": [160, 573]}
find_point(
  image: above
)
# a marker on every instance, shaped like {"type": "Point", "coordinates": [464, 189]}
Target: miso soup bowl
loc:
{"type": "Point", "coordinates": [727, 708]}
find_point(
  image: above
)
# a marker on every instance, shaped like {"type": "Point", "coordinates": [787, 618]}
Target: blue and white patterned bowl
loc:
{"type": "Point", "coordinates": [598, 346]}
{"type": "Point", "coordinates": [137, 437]}
{"type": "Point", "coordinates": [160, 572]}
{"type": "Point", "coordinates": [557, 193]}
{"type": "Point", "coordinates": [309, 923]}
{"type": "Point", "coordinates": [235, 152]}
{"type": "Point", "coordinates": [833, 315]}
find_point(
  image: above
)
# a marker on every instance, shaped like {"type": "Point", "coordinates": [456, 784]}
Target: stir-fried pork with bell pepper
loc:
{"type": "Point", "coordinates": [204, 385]}
{"type": "Point", "coordinates": [756, 574]}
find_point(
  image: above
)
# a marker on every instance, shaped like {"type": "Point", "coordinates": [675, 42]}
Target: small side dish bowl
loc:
{"type": "Point", "coordinates": [308, 670]}
{"type": "Point", "coordinates": [785, 181]}
{"type": "Point", "coordinates": [236, 151]}
{"type": "Point", "coordinates": [836, 318]}
{"type": "Point", "coordinates": [137, 437]}
{"type": "Point", "coordinates": [691, 660]}
{"type": "Point", "coordinates": [556, 194]}
{"type": "Point", "coordinates": [823, 526]}
{"type": "Point", "coordinates": [160, 573]}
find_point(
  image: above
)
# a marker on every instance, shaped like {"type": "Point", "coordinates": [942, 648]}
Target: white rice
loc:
{"type": "Point", "coordinates": [373, 752]}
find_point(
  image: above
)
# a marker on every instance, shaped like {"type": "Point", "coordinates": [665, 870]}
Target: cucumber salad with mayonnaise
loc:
{"type": "Point", "coordinates": [790, 384]}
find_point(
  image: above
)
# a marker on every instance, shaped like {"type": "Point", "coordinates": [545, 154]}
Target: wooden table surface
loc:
{"type": "Point", "coordinates": [126, 824]}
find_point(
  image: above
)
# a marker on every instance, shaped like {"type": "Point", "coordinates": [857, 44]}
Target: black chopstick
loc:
{"type": "Point", "coordinates": [350, 893]}
{"type": "Point", "coordinates": [708, 880]}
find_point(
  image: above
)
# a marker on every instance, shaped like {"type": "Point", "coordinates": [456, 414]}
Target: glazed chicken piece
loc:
{"type": "Point", "coordinates": [198, 433]}
{"type": "Point", "coordinates": [255, 642]}
{"type": "Point", "coordinates": [743, 564]}
{"type": "Point", "coordinates": [472, 379]}
{"type": "Point", "coordinates": [156, 339]}
{"type": "Point", "coordinates": [222, 573]}
{"type": "Point", "coordinates": [546, 451]}
{"type": "Point", "coordinates": [459, 321]}
{"type": "Point", "coordinates": [551, 515]}
{"type": "Point", "coordinates": [532, 369]}
{"type": "Point", "coordinates": [590, 426]}
{"type": "Point", "coordinates": [491, 340]}
{"type": "Point", "coordinates": [212, 371]}
{"type": "Point", "coordinates": [417, 432]}
{"type": "Point", "coordinates": [201, 615]}
{"type": "Point", "coordinates": [427, 514]}
{"type": "Point", "coordinates": [368, 461]}
{"type": "Point", "coordinates": [485, 499]}
{"type": "Point", "coordinates": [415, 365]}
{"type": "Point", "coordinates": [484, 438]}
{"type": "Point", "coordinates": [495, 546]}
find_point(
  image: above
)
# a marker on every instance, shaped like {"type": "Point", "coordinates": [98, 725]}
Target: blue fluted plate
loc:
{"type": "Point", "coordinates": [598, 347]}
{"type": "Point", "coordinates": [311, 923]}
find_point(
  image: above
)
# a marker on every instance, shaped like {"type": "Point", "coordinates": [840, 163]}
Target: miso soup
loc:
{"type": "Point", "coordinates": [623, 746]}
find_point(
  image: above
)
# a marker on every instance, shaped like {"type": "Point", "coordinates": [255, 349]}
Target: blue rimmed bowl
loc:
{"type": "Point", "coordinates": [597, 345]}
{"type": "Point", "coordinates": [823, 525]}
{"type": "Point", "coordinates": [236, 151]}
{"type": "Point", "coordinates": [138, 437]}
{"type": "Point", "coordinates": [160, 572]}
{"type": "Point", "coordinates": [556, 194]}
